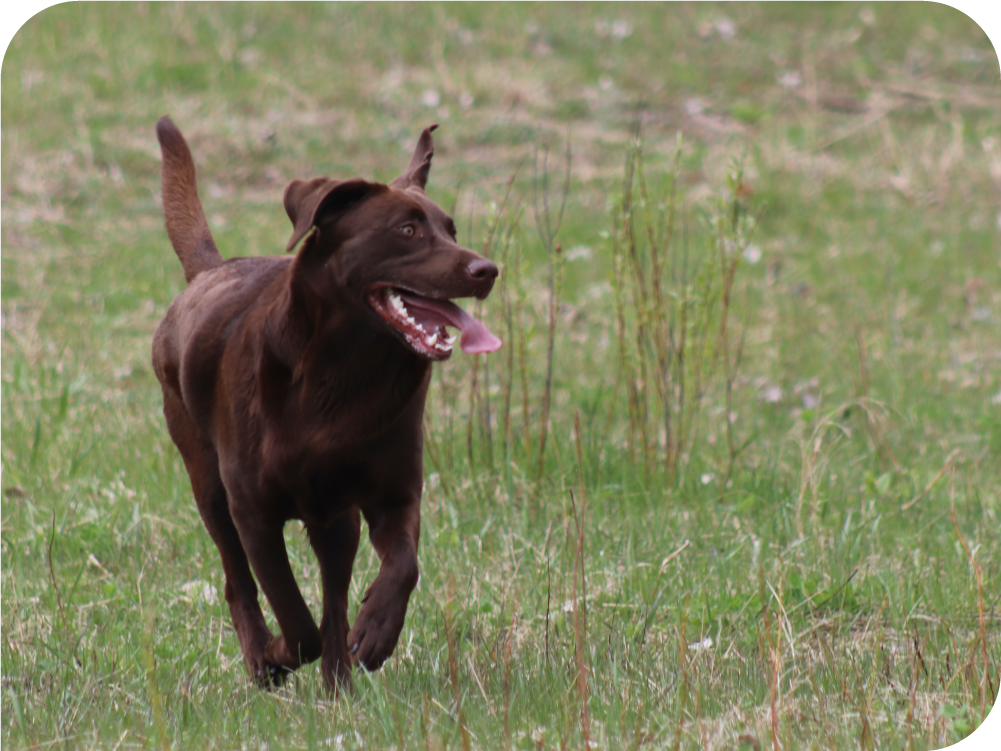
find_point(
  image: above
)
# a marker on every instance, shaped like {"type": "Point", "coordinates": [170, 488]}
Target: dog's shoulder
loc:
{"type": "Point", "coordinates": [215, 303]}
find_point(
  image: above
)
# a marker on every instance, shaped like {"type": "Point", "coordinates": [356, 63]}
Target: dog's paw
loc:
{"type": "Point", "coordinates": [271, 666]}
{"type": "Point", "coordinates": [279, 652]}
{"type": "Point", "coordinates": [271, 676]}
{"type": "Point", "coordinates": [265, 674]}
{"type": "Point", "coordinates": [374, 636]}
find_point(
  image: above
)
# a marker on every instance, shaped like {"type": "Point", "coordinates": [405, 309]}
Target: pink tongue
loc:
{"type": "Point", "coordinates": [476, 337]}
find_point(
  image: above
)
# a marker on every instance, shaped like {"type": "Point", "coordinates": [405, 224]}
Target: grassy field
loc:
{"type": "Point", "coordinates": [733, 481]}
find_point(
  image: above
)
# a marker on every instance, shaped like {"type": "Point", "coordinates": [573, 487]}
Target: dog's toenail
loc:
{"type": "Point", "coordinates": [354, 649]}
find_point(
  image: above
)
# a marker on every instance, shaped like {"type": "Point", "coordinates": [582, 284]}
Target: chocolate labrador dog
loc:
{"type": "Point", "coordinates": [294, 388]}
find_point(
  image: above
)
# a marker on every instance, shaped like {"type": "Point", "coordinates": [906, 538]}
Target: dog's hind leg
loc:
{"type": "Point", "coordinates": [394, 532]}
{"type": "Point", "coordinates": [335, 547]}
{"type": "Point", "coordinates": [241, 592]}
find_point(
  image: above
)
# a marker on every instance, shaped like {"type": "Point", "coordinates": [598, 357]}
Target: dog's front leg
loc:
{"type": "Point", "coordinates": [394, 532]}
{"type": "Point", "coordinates": [335, 547]}
{"type": "Point", "coordinates": [264, 543]}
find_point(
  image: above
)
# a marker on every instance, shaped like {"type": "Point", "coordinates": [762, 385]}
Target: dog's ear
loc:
{"type": "Point", "coordinates": [307, 200]}
{"type": "Point", "coordinates": [420, 164]}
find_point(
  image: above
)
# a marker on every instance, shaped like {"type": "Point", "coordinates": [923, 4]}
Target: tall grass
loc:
{"type": "Point", "coordinates": [673, 310]}
{"type": "Point", "coordinates": [676, 345]}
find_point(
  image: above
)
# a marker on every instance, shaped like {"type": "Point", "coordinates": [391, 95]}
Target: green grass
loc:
{"type": "Point", "coordinates": [813, 589]}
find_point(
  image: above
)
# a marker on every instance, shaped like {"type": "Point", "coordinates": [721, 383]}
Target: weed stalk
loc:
{"type": "Point", "coordinates": [685, 688]}
{"type": "Point", "coordinates": [579, 600]}
{"type": "Point", "coordinates": [673, 324]}
{"type": "Point", "coordinates": [987, 686]}
{"type": "Point", "coordinates": [508, 645]}
{"type": "Point", "coordinates": [548, 226]}
{"type": "Point", "coordinates": [453, 665]}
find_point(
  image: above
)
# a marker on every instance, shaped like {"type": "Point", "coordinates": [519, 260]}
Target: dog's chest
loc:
{"type": "Point", "coordinates": [328, 491]}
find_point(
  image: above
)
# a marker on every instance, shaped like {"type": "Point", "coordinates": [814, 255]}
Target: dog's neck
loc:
{"type": "Point", "coordinates": [333, 350]}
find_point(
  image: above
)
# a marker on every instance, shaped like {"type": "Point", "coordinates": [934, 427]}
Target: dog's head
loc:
{"type": "Point", "coordinates": [392, 250]}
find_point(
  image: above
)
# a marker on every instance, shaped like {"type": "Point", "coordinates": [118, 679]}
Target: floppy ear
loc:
{"type": "Point", "coordinates": [420, 164]}
{"type": "Point", "coordinates": [307, 200]}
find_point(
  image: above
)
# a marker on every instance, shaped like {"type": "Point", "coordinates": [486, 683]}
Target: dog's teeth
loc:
{"type": "Point", "coordinates": [433, 340]}
{"type": "Point", "coordinates": [396, 302]}
{"type": "Point", "coordinates": [450, 340]}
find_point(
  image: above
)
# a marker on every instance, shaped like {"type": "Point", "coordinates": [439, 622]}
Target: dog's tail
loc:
{"type": "Point", "coordinates": [186, 225]}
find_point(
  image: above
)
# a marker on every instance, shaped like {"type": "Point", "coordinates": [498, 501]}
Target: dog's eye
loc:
{"type": "Point", "coordinates": [407, 230]}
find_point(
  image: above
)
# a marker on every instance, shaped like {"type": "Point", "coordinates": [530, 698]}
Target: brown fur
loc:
{"type": "Point", "coordinates": [290, 398]}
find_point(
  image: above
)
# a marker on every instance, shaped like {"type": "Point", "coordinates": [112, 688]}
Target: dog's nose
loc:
{"type": "Point", "coordinates": [483, 273]}
{"type": "Point", "coordinates": [482, 270]}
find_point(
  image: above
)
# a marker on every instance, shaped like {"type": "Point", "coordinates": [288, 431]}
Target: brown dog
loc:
{"type": "Point", "coordinates": [294, 388]}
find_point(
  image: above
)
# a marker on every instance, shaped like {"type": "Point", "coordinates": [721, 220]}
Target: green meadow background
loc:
{"type": "Point", "coordinates": [733, 481]}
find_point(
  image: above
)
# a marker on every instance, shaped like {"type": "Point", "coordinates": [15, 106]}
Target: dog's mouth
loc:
{"type": "Point", "coordinates": [423, 323]}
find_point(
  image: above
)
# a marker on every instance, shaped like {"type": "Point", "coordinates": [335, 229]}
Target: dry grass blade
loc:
{"type": "Point", "coordinates": [987, 682]}
{"type": "Point", "coordinates": [548, 228]}
{"type": "Point", "coordinates": [453, 666]}
{"type": "Point", "coordinates": [949, 460]}
{"type": "Point", "coordinates": [579, 601]}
